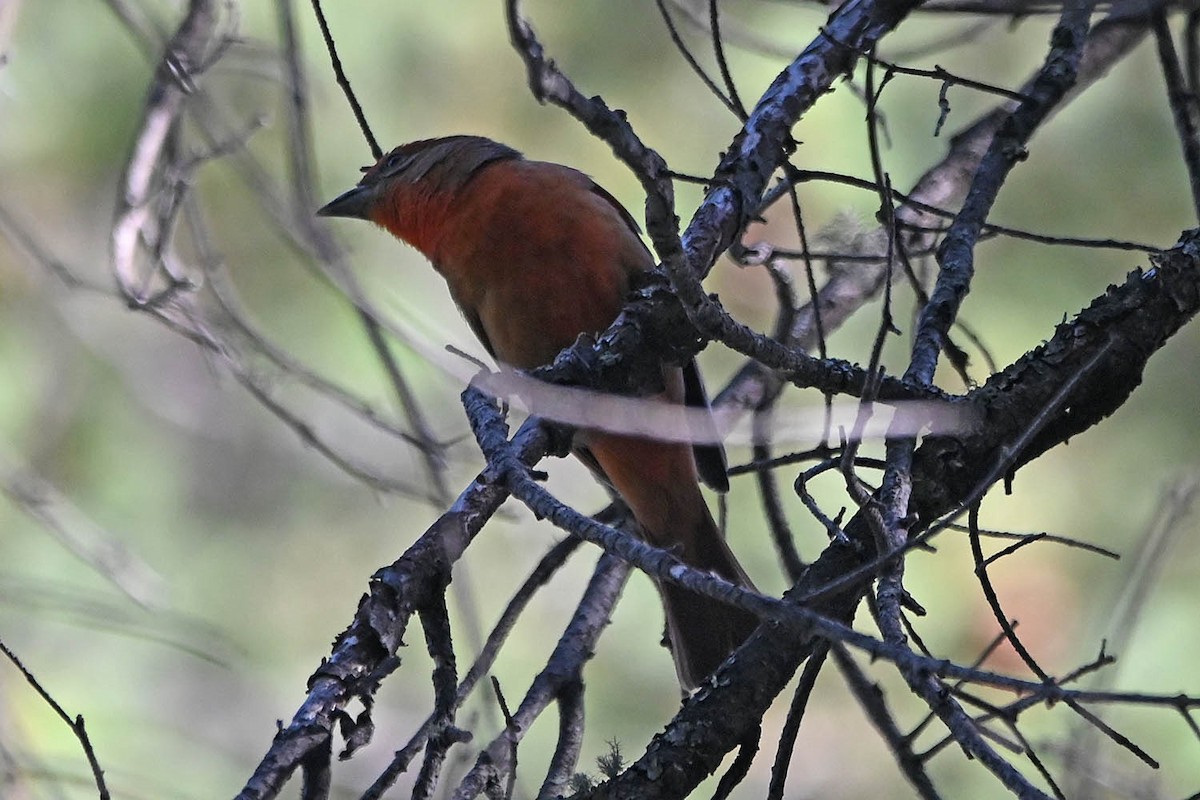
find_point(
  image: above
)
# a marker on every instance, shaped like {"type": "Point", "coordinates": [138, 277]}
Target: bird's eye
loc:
{"type": "Point", "coordinates": [393, 161]}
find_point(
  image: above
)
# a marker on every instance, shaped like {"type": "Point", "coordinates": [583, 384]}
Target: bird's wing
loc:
{"type": "Point", "coordinates": [624, 212]}
{"type": "Point", "coordinates": [710, 456]}
{"type": "Point", "coordinates": [477, 328]}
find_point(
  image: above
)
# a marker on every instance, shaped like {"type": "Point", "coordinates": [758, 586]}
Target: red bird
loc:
{"type": "Point", "coordinates": [536, 254]}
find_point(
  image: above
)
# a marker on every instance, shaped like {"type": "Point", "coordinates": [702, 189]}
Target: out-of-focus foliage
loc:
{"type": "Point", "coordinates": [261, 548]}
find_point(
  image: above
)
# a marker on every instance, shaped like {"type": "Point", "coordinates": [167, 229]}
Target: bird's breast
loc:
{"type": "Point", "coordinates": [539, 260]}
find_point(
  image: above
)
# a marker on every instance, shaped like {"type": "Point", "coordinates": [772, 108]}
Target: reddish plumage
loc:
{"type": "Point", "coordinates": [535, 254]}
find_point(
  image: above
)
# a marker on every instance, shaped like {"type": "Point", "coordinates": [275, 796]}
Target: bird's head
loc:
{"type": "Point", "coordinates": [415, 173]}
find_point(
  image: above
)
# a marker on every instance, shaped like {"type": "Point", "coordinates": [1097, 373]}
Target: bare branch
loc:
{"type": "Point", "coordinates": [870, 697]}
{"type": "Point", "coordinates": [563, 673]}
{"type": "Point", "coordinates": [537, 579]}
{"type": "Point", "coordinates": [365, 653]}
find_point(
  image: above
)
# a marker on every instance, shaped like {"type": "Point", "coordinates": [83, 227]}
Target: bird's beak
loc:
{"type": "Point", "coordinates": [355, 204]}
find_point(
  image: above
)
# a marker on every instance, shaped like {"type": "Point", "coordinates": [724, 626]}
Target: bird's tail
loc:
{"type": "Point", "coordinates": [658, 482]}
{"type": "Point", "coordinates": [701, 631]}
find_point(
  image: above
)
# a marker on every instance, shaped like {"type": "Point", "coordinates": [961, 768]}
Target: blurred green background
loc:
{"type": "Point", "coordinates": [256, 549]}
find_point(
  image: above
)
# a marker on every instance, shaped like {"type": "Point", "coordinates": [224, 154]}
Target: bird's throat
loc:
{"type": "Point", "coordinates": [417, 218]}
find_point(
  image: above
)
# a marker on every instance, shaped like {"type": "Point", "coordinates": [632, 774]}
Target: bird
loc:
{"type": "Point", "coordinates": [534, 254]}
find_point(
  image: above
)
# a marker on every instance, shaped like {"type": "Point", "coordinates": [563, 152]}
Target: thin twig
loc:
{"type": "Point", "coordinates": [1184, 104]}
{"type": "Point", "coordinates": [76, 725]}
{"type": "Point", "coordinates": [791, 725]}
{"type": "Point", "coordinates": [691, 61]}
{"type": "Point", "coordinates": [718, 41]}
{"type": "Point", "coordinates": [563, 671]}
{"type": "Point", "coordinates": [335, 64]}
{"type": "Point", "coordinates": [537, 579]}
{"type": "Point", "coordinates": [870, 698]}
{"type": "Point", "coordinates": [435, 620]}
{"type": "Point", "coordinates": [300, 152]}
